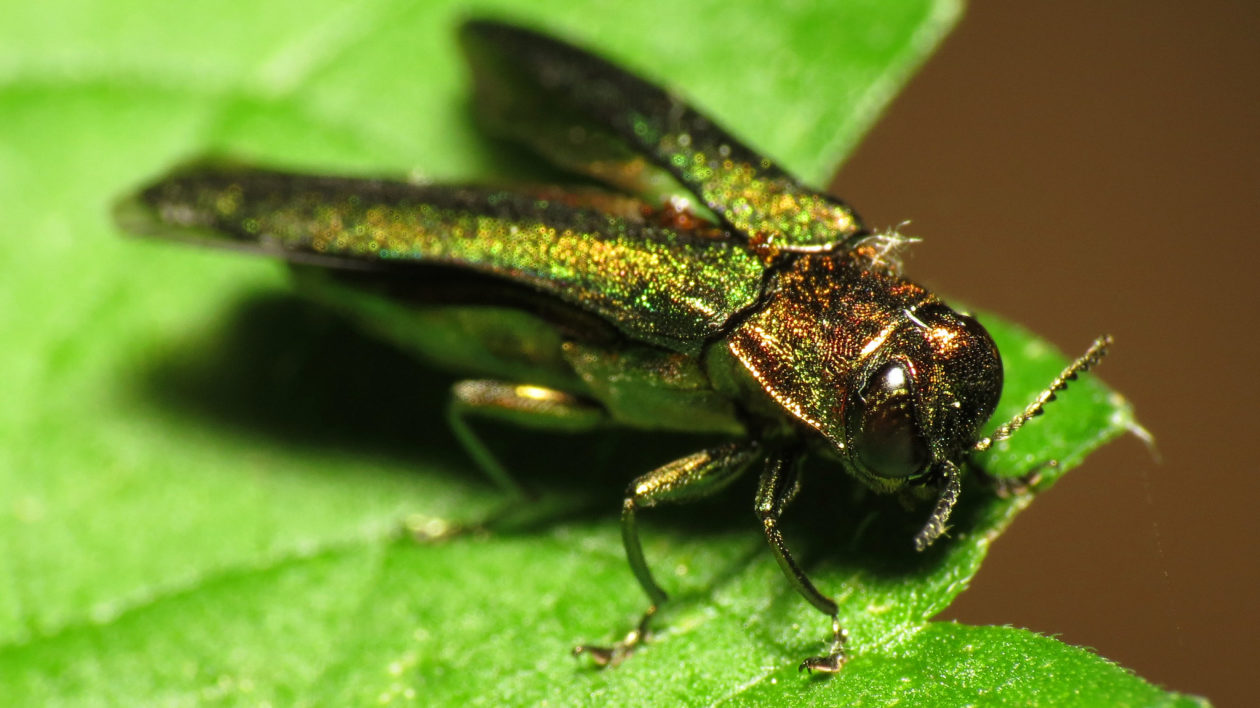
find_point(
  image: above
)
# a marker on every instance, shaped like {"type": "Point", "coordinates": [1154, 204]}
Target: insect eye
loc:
{"type": "Point", "coordinates": [889, 443]}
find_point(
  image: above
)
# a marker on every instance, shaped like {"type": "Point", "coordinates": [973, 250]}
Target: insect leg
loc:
{"type": "Point", "coordinates": [1014, 486]}
{"type": "Point", "coordinates": [685, 479]}
{"type": "Point", "coordinates": [525, 405]}
{"type": "Point", "coordinates": [778, 487]}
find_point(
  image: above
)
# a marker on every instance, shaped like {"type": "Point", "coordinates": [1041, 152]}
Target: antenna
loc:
{"type": "Point", "coordinates": [1087, 361]}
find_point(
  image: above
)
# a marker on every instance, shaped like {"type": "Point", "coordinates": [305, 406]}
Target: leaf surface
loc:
{"type": "Point", "coordinates": [202, 477]}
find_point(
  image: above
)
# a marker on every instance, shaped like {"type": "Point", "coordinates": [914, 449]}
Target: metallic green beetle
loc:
{"type": "Point", "coordinates": [765, 312]}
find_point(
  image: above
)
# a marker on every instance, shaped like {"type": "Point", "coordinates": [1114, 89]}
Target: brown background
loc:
{"type": "Point", "coordinates": [1085, 167]}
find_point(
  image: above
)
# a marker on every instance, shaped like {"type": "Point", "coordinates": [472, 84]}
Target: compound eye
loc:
{"type": "Point", "coordinates": [889, 443]}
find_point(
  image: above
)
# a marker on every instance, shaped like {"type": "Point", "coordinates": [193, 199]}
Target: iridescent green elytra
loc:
{"type": "Point", "coordinates": [764, 311]}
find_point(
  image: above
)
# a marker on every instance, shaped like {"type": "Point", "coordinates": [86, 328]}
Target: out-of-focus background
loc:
{"type": "Point", "coordinates": [1086, 167]}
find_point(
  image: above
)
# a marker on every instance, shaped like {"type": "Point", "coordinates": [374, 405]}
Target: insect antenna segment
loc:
{"type": "Point", "coordinates": [951, 487]}
{"type": "Point", "coordinates": [948, 476]}
{"type": "Point", "coordinates": [1084, 363]}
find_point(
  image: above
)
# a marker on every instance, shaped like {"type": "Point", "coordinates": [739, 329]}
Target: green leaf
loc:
{"type": "Point", "coordinates": [202, 478]}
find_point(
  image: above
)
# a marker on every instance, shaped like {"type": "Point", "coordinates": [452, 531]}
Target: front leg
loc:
{"type": "Point", "coordinates": [778, 487]}
{"type": "Point", "coordinates": [686, 479]}
{"type": "Point", "coordinates": [1014, 486]}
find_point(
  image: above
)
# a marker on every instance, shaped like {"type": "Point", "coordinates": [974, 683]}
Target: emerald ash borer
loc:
{"type": "Point", "coordinates": [688, 284]}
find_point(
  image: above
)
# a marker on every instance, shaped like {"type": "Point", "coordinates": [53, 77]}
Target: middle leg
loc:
{"type": "Point", "coordinates": [686, 479]}
{"type": "Point", "coordinates": [778, 487]}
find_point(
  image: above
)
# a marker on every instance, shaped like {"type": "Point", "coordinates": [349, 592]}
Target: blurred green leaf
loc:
{"type": "Point", "coordinates": [202, 477]}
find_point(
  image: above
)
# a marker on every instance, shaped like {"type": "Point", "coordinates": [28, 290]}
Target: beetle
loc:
{"type": "Point", "coordinates": [689, 284]}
